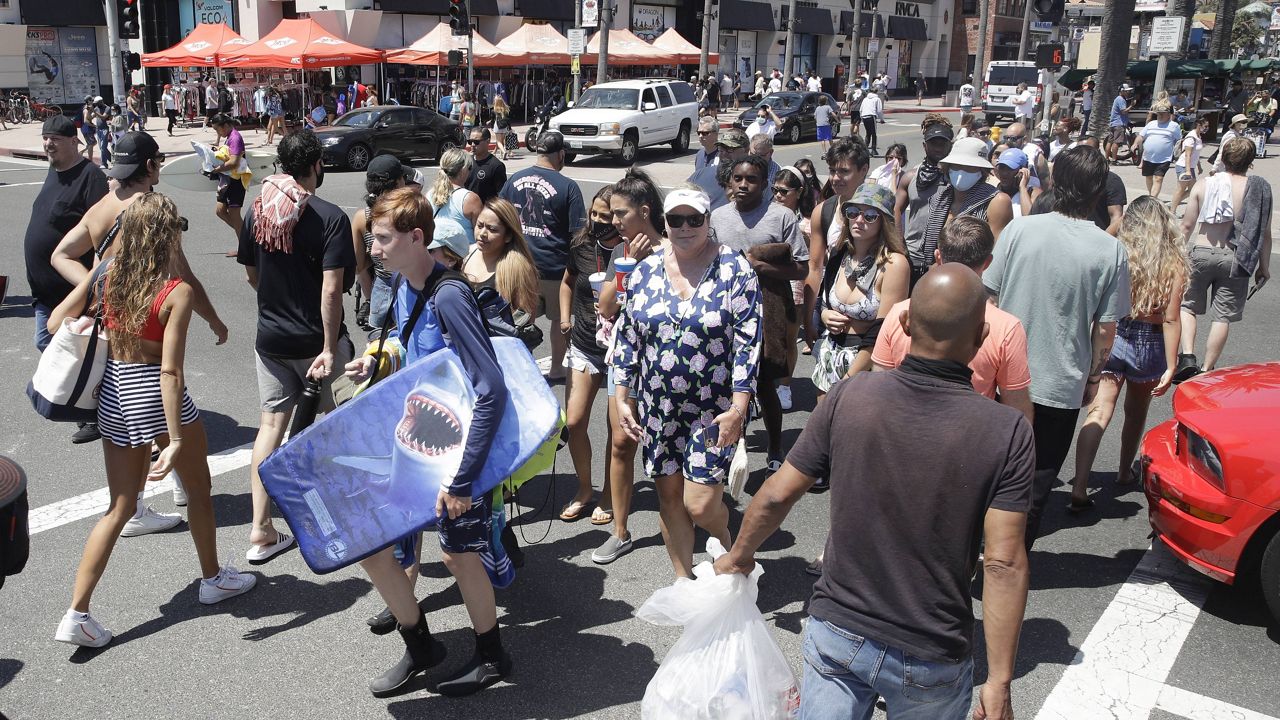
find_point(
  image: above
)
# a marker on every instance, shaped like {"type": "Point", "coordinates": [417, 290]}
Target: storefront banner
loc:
{"type": "Point", "coordinates": [195, 12]}
{"type": "Point", "coordinates": [590, 13]}
{"type": "Point", "coordinates": [62, 64]}
{"type": "Point", "coordinates": [650, 21]}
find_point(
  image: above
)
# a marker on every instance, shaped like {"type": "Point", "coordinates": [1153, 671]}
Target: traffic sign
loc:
{"type": "Point", "coordinates": [1050, 56]}
{"type": "Point", "coordinates": [577, 38]}
{"type": "Point", "coordinates": [1166, 34]}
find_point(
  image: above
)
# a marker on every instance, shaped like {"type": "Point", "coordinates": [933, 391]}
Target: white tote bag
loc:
{"type": "Point", "coordinates": [65, 386]}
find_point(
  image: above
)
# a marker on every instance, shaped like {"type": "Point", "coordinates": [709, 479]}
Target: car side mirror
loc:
{"type": "Point", "coordinates": [382, 124]}
{"type": "Point", "coordinates": [650, 106]}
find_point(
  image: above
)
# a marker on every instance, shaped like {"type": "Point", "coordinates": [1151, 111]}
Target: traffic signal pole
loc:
{"type": "Point", "coordinates": [113, 51]}
{"type": "Point", "coordinates": [471, 64]}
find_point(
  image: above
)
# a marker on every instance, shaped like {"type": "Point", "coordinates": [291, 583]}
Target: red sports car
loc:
{"type": "Point", "coordinates": [1212, 476]}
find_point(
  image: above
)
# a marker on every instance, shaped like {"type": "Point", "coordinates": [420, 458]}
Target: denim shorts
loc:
{"type": "Point", "coordinates": [1138, 352]}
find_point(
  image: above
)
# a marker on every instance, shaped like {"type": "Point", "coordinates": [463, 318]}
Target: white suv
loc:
{"type": "Point", "coordinates": [619, 118]}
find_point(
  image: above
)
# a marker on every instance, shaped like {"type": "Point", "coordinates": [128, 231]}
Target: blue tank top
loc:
{"type": "Point", "coordinates": [453, 210]}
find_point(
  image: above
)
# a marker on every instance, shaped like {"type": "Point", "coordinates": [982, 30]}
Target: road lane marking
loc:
{"type": "Point", "coordinates": [96, 502]}
{"type": "Point", "coordinates": [1121, 668]}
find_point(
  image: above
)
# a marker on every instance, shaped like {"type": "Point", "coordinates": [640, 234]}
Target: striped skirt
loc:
{"type": "Point", "coordinates": [130, 409]}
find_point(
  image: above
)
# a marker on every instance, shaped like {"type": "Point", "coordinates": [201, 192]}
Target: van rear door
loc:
{"type": "Point", "coordinates": [1002, 85]}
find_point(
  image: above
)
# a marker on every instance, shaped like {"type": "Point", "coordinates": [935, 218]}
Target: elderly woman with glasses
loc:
{"type": "Point", "coordinates": [688, 342]}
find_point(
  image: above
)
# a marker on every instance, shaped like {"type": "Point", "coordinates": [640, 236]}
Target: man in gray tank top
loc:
{"type": "Point", "coordinates": [917, 188]}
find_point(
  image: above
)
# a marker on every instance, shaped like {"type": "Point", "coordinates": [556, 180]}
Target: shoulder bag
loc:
{"type": "Point", "coordinates": [65, 386]}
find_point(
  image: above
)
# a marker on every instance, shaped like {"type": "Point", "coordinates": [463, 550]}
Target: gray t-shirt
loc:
{"type": "Point", "coordinates": [768, 223]}
{"type": "Point", "coordinates": [822, 115]}
{"type": "Point", "coordinates": [1059, 276]}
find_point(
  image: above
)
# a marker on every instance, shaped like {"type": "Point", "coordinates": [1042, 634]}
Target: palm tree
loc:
{"type": "Point", "coordinates": [1220, 43]}
{"type": "Point", "coordinates": [1113, 60]}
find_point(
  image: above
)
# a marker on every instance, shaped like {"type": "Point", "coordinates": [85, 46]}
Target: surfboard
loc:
{"type": "Point", "coordinates": [185, 173]}
{"type": "Point", "coordinates": [369, 473]}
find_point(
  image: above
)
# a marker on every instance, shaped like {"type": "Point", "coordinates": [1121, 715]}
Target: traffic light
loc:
{"type": "Point", "coordinates": [1050, 56]}
{"type": "Point", "coordinates": [1049, 10]}
{"type": "Point", "coordinates": [127, 22]}
{"type": "Point", "coordinates": [132, 61]}
{"type": "Point", "coordinates": [455, 58]}
{"type": "Point", "coordinates": [459, 18]}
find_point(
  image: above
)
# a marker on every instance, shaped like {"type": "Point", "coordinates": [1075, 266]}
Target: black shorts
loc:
{"type": "Point", "coordinates": [1153, 168]}
{"type": "Point", "coordinates": [230, 192]}
{"type": "Point", "coordinates": [470, 531]}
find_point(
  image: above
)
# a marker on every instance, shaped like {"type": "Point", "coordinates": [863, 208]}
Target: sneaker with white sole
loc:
{"type": "Point", "coordinates": [179, 492]}
{"type": "Point", "coordinates": [228, 583]}
{"type": "Point", "coordinates": [148, 522]}
{"type": "Point", "coordinates": [81, 629]}
{"type": "Point", "coordinates": [784, 396]}
{"type": "Point", "coordinates": [612, 549]}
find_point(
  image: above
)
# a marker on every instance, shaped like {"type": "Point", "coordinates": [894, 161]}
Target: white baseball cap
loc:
{"type": "Point", "coordinates": [968, 152]}
{"type": "Point", "coordinates": [695, 199]}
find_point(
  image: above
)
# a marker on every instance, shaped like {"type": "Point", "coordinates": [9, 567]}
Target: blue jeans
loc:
{"type": "Point", "coordinates": [379, 301]}
{"type": "Point", "coordinates": [104, 153]}
{"type": "Point", "coordinates": [43, 336]}
{"type": "Point", "coordinates": [845, 672]}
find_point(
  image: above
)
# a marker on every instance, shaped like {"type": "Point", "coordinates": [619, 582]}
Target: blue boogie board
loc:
{"type": "Point", "coordinates": [369, 472]}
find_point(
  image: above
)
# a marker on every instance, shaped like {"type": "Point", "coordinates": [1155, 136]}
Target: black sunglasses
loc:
{"type": "Point", "coordinates": [853, 213]}
{"type": "Point", "coordinates": [1014, 138]}
{"type": "Point", "coordinates": [782, 189]}
{"type": "Point", "coordinates": [473, 141]}
{"type": "Point", "coordinates": [708, 132]}
{"type": "Point", "coordinates": [677, 221]}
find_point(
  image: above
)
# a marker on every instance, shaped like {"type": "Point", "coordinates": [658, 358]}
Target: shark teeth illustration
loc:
{"type": "Point", "coordinates": [428, 428]}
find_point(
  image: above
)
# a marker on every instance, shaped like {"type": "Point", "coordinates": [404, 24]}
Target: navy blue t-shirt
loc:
{"type": "Point", "coordinates": [551, 211]}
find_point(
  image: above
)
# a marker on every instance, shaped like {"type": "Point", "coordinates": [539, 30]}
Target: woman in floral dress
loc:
{"type": "Point", "coordinates": [685, 369]}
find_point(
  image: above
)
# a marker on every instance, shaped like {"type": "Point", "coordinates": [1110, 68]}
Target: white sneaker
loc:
{"type": "Point", "coordinates": [87, 632]}
{"type": "Point", "coordinates": [228, 583]}
{"type": "Point", "coordinates": [149, 522]}
{"type": "Point", "coordinates": [784, 396]}
{"type": "Point", "coordinates": [179, 492]}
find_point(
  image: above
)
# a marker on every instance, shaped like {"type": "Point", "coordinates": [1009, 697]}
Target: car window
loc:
{"type": "Point", "coordinates": [359, 118]}
{"type": "Point", "coordinates": [682, 92]}
{"type": "Point", "coordinates": [781, 102]}
{"type": "Point", "coordinates": [664, 96]}
{"type": "Point", "coordinates": [397, 118]}
{"type": "Point", "coordinates": [423, 117]}
{"type": "Point", "coordinates": [609, 98]}
{"type": "Point", "coordinates": [1012, 75]}
{"type": "Point", "coordinates": [648, 96]}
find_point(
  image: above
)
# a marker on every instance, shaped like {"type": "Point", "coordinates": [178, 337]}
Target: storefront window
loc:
{"type": "Point", "coordinates": [728, 51]}
{"type": "Point", "coordinates": [905, 76]}
{"type": "Point", "coordinates": [804, 56]}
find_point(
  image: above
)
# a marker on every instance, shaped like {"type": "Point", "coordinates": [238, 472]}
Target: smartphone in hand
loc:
{"type": "Point", "coordinates": [1253, 290]}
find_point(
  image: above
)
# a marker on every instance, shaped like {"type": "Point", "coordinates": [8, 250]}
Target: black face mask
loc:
{"type": "Point", "coordinates": [600, 230]}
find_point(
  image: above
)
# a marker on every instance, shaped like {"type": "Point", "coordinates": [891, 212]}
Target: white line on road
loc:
{"type": "Point", "coordinates": [1121, 668]}
{"type": "Point", "coordinates": [95, 502]}
{"type": "Point", "coordinates": [5, 184]}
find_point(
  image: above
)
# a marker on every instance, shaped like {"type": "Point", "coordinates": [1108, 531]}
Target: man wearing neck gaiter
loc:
{"type": "Point", "coordinates": [917, 187]}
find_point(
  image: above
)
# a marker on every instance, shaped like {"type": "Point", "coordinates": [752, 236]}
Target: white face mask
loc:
{"type": "Point", "coordinates": [962, 180]}
{"type": "Point", "coordinates": [761, 119]}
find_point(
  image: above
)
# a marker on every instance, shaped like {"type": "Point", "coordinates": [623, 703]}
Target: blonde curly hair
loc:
{"type": "Point", "coordinates": [1158, 264]}
{"type": "Point", "coordinates": [149, 239]}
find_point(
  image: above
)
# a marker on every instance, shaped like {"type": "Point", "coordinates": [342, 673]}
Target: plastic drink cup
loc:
{"type": "Point", "coordinates": [624, 266]}
{"type": "Point", "coordinates": [597, 282]}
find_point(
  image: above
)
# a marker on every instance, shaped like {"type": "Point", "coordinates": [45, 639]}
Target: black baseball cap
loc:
{"type": "Point", "coordinates": [938, 130]}
{"type": "Point", "coordinates": [387, 167]}
{"type": "Point", "coordinates": [132, 151]}
{"type": "Point", "coordinates": [59, 125]}
{"type": "Point", "coordinates": [550, 142]}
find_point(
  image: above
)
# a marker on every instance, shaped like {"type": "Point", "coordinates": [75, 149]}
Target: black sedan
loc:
{"type": "Point", "coordinates": [401, 130]}
{"type": "Point", "coordinates": [795, 110]}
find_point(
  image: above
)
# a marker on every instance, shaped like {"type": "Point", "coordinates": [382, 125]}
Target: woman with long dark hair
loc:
{"type": "Point", "coordinates": [143, 399]}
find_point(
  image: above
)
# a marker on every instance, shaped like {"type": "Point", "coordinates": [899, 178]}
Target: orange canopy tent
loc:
{"type": "Point", "coordinates": [203, 47]}
{"type": "Point", "coordinates": [300, 43]}
{"type": "Point", "coordinates": [433, 49]}
{"type": "Point", "coordinates": [537, 45]}
{"type": "Point", "coordinates": [685, 51]}
{"type": "Point", "coordinates": [627, 49]}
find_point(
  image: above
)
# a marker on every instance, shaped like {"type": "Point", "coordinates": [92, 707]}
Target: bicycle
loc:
{"type": "Point", "coordinates": [44, 111]}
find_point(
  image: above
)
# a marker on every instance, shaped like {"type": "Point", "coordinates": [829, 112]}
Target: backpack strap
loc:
{"type": "Point", "coordinates": [828, 213]}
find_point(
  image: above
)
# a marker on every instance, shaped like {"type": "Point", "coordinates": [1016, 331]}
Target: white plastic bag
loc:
{"type": "Point", "coordinates": [726, 665]}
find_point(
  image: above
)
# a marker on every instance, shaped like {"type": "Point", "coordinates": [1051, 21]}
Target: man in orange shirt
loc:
{"type": "Point", "coordinates": [1001, 362]}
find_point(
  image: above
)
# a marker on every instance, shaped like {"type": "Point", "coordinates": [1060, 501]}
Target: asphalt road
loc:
{"type": "Point", "coordinates": [297, 645]}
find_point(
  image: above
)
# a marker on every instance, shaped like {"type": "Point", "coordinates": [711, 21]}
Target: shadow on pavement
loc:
{"type": "Point", "coordinates": [1109, 500]}
{"type": "Point", "coordinates": [1239, 604]}
{"type": "Point", "coordinates": [224, 432]}
{"type": "Point", "coordinates": [17, 306]}
{"type": "Point", "coordinates": [1042, 641]}
{"type": "Point", "coordinates": [9, 669]}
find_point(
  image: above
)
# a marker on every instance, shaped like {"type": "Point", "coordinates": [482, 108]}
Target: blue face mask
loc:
{"type": "Point", "coordinates": [962, 180]}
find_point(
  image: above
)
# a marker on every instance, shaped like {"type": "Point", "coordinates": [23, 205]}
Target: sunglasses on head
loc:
{"type": "Point", "coordinates": [678, 221]}
{"type": "Point", "coordinates": [853, 213]}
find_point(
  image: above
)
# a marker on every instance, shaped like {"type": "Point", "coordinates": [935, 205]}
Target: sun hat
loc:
{"type": "Point", "coordinates": [695, 199]}
{"type": "Point", "coordinates": [968, 152]}
{"type": "Point", "coordinates": [449, 234]}
{"type": "Point", "coordinates": [1239, 118]}
{"type": "Point", "coordinates": [872, 194]}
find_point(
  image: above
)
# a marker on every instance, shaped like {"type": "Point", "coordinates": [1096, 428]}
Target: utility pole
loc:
{"type": "Point", "coordinates": [855, 39]}
{"type": "Point", "coordinates": [577, 69]}
{"type": "Point", "coordinates": [706, 39]}
{"type": "Point", "coordinates": [471, 65]}
{"type": "Point", "coordinates": [1026, 31]}
{"type": "Point", "coordinates": [606, 23]}
{"type": "Point", "coordinates": [980, 59]}
{"type": "Point", "coordinates": [791, 24]}
{"type": "Point", "coordinates": [113, 51]}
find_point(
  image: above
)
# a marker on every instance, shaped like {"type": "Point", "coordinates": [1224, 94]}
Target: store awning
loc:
{"type": "Point", "coordinates": [627, 49]}
{"type": "Point", "coordinates": [201, 48]}
{"type": "Point", "coordinates": [547, 9]}
{"type": "Point", "coordinates": [433, 49]}
{"type": "Point", "coordinates": [685, 51]}
{"type": "Point", "coordinates": [300, 44]}
{"type": "Point", "coordinates": [814, 21]}
{"type": "Point", "coordinates": [537, 45]}
{"type": "Point", "coordinates": [746, 15]}
{"type": "Point", "coordinates": [870, 21]}
{"type": "Point", "coordinates": [907, 28]}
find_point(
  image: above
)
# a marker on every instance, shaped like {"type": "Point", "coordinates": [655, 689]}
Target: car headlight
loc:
{"type": "Point", "coordinates": [610, 128]}
{"type": "Point", "coordinates": [553, 126]}
{"type": "Point", "coordinates": [1203, 458]}
{"type": "Point", "coordinates": [329, 141]}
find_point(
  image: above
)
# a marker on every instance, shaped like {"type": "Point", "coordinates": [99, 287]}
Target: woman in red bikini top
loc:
{"type": "Point", "coordinates": [143, 400]}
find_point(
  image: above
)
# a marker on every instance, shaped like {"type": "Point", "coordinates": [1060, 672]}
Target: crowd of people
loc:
{"type": "Point", "coordinates": [919, 290]}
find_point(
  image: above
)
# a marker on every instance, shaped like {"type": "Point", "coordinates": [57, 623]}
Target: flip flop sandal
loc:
{"type": "Point", "coordinates": [600, 516]}
{"type": "Point", "coordinates": [1075, 508]}
{"type": "Point", "coordinates": [259, 554]}
{"type": "Point", "coordinates": [573, 511]}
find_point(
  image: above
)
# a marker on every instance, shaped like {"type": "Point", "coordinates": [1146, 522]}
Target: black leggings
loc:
{"type": "Point", "coordinates": [173, 118]}
{"type": "Point", "coordinates": [1055, 429]}
{"type": "Point", "coordinates": [869, 122]}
